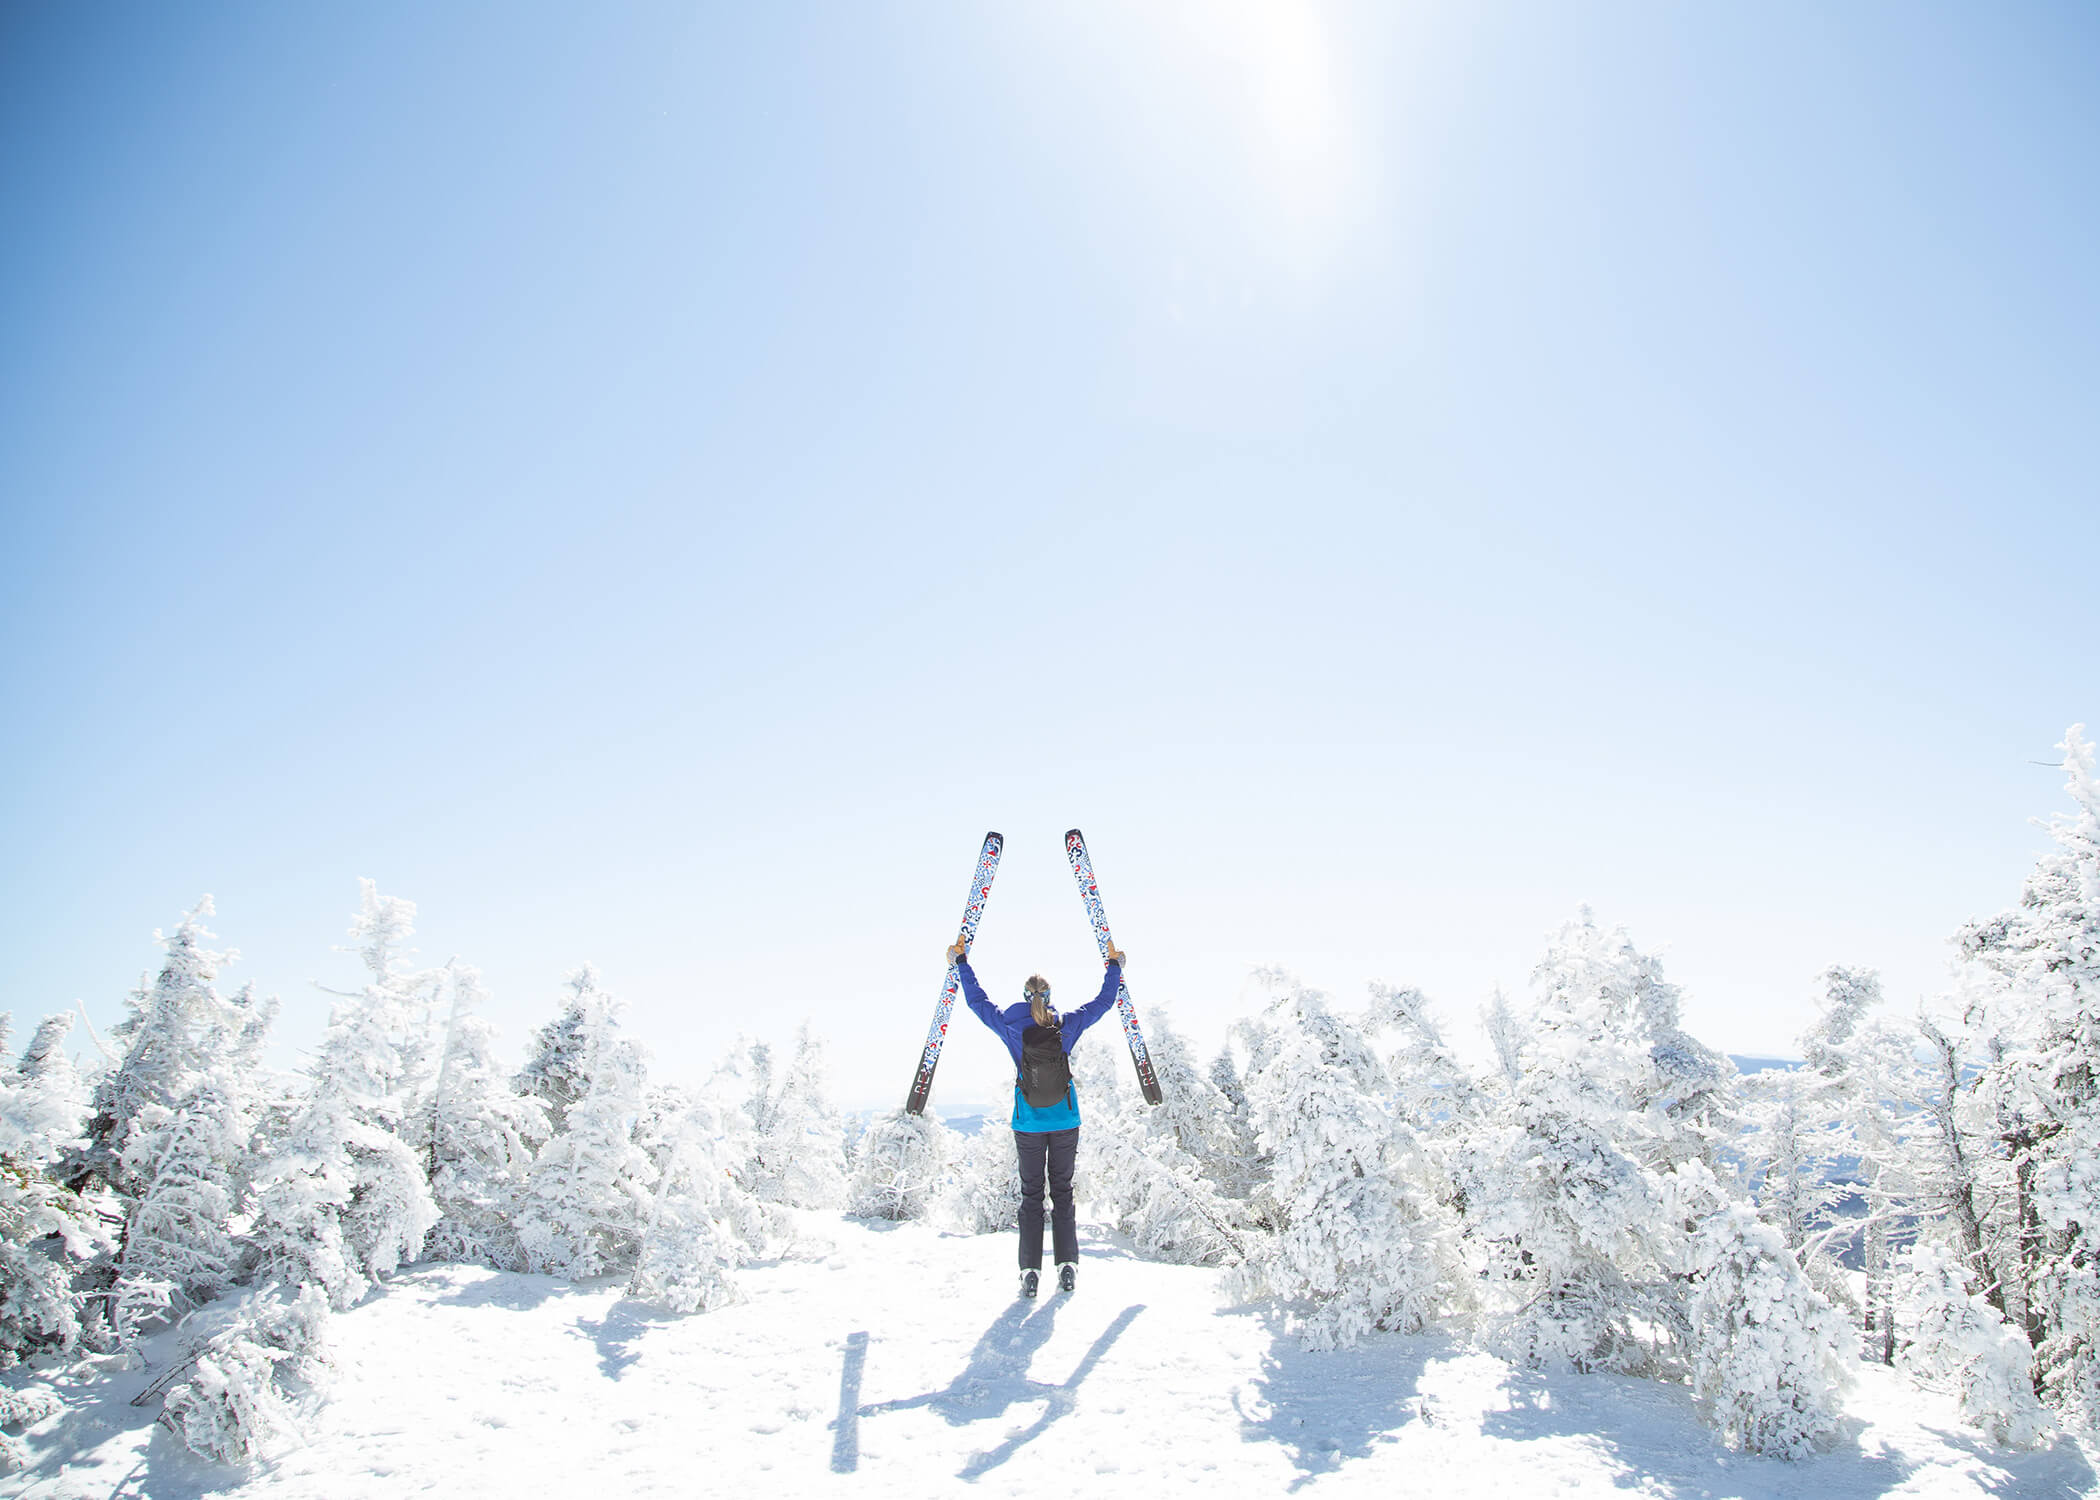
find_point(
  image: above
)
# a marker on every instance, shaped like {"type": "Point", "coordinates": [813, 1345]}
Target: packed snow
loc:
{"type": "Point", "coordinates": [883, 1359]}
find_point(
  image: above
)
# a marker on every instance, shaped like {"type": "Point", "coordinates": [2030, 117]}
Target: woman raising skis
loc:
{"type": "Point", "coordinates": [1046, 1107]}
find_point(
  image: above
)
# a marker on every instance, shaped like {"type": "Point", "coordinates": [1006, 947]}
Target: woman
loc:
{"type": "Point", "coordinates": [1046, 1107]}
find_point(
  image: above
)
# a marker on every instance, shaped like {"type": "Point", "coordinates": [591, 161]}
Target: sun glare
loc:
{"type": "Point", "coordinates": [1280, 59]}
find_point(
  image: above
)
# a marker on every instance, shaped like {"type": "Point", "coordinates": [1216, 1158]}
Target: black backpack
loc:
{"type": "Point", "coordinates": [1045, 1070]}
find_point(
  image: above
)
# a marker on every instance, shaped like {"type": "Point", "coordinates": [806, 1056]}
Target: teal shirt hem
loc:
{"type": "Point", "coordinates": [1063, 1115]}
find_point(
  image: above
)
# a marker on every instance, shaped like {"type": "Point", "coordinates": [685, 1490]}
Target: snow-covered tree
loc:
{"type": "Point", "coordinates": [1946, 1132]}
{"type": "Point", "coordinates": [1815, 1120]}
{"type": "Point", "coordinates": [1765, 1345]}
{"type": "Point", "coordinates": [177, 1028]}
{"type": "Point", "coordinates": [483, 1138]}
{"type": "Point", "coordinates": [400, 1000]}
{"type": "Point", "coordinates": [1957, 1341]}
{"type": "Point", "coordinates": [20, 1407]}
{"type": "Point", "coordinates": [53, 1092]}
{"type": "Point", "coordinates": [800, 1159]}
{"type": "Point", "coordinates": [742, 1088]}
{"type": "Point", "coordinates": [1148, 1168]}
{"type": "Point", "coordinates": [1600, 1096]}
{"type": "Point", "coordinates": [252, 1379]}
{"type": "Point", "coordinates": [345, 1200]}
{"type": "Point", "coordinates": [1433, 1090]}
{"type": "Point", "coordinates": [588, 1196]}
{"type": "Point", "coordinates": [986, 1194]}
{"type": "Point", "coordinates": [899, 1169]}
{"type": "Point", "coordinates": [172, 1128]}
{"type": "Point", "coordinates": [1237, 1169]}
{"type": "Point", "coordinates": [2039, 967]}
{"type": "Point", "coordinates": [179, 1244]}
{"type": "Point", "coordinates": [48, 1232]}
{"type": "Point", "coordinates": [556, 1070]}
{"type": "Point", "coordinates": [1360, 1240]}
{"type": "Point", "coordinates": [702, 1223]}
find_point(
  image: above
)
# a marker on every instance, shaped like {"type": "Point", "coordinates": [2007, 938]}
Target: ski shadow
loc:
{"type": "Point", "coordinates": [845, 1437]}
{"type": "Point", "coordinates": [1324, 1408]}
{"type": "Point", "coordinates": [993, 1381]}
{"type": "Point", "coordinates": [618, 1334]}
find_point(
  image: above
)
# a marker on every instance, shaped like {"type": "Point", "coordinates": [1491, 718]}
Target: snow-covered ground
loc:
{"type": "Point", "coordinates": [895, 1361]}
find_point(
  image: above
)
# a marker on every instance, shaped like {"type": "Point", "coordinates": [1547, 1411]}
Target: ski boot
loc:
{"type": "Point", "coordinates": [1067, 1276]}
{"type": "Point", "coordinates": [1029, 1278]}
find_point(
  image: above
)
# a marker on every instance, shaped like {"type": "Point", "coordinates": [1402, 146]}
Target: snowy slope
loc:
{"type": "Point", "coordinates": [894, 1361]}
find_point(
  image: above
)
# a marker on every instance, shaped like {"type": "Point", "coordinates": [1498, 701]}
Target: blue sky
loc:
{"type": "Point", "coordinates": [653, 486]}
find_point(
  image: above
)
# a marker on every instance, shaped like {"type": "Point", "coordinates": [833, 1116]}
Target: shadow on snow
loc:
{"type": "Point", "coordinates": [1651, 1434]}
{"type": "Point", "coordinates": [617, 1334]}
{"type": "Point", "coordinates": [1323, 1408]}
{"type": "Point", "coordinates": [995, 1380]}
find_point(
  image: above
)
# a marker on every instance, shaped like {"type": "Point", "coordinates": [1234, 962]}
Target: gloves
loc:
{"type": "Point", "coordinates": [956, 952]}
{"type": "Point", "coordinates": [1115, 956]}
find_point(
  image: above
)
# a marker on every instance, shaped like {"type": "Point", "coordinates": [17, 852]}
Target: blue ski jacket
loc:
{"type": "Point", "coordinates": [1008, 1024]}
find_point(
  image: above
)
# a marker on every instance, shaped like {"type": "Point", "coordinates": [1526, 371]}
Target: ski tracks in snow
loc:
{"type": "Point", "coordinates": [893, 1360]}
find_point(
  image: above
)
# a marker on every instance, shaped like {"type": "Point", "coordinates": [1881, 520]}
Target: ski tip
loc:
{"type": "Point", "coordinates": [995, 837]}
{"type": "Point", "coordinates": [1071, 834]}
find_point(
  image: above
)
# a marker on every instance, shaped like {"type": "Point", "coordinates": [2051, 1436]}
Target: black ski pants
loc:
{"type": "Point", "coordinates": [1054, 1150]}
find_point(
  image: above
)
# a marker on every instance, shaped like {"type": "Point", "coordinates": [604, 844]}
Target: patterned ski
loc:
{"type": "Point", "coordinates": [980, 887]}
{"type": "Point", "coordinates": [1090, 893]}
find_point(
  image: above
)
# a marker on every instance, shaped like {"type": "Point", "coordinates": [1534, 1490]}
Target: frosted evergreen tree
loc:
{"type": "Point", "coordinates": [1596, 981]}
{"type": "Point", "coordinates": [701, 1224]}
{"type": "Point", "coordinates": [1431, 1086]}
{"type": "Point", "coordinates": [801, 1161]}
{"type": "Point", "coordinates": [656, 1128]}
{"type": "Point", "coordinates": [1946, 1136]}
{"type": "Point", "coordinates": [741, 1089]}
{"type": "Point", "coordinates": [176, 1028]}
{"type": "Point", "coordinates": [46, 1102]}
{"type": "Point", "coordinates": [899, 1170]}
{"type": "Point", "coordinates": [483, 1138]}
{"type": "Point", "coordinates": [1149, 1167]}
{"type": "Point", "coordinates": [1602, 1095]}
{"type": "Point", "coordinates": [249, 1384]}
{"type": "Point", "coordinates": [400, 1000]}
{"type": "Point", "coordinates": [345, 1200]}
{"type": "Point", "coordinates": [1360, 1241]}
{"type": "Point", "coordinates": [986, 1193]}
{"type": "Point", "coordinates": [1238, 1168]}
{"type": "Point", "coordinates": [556, 1070]}
{"type": "Point", "coordinates": [179, 1249]}
{"type": "Point", "coordinates": [49, 1233]}
{"type": "Point", "coordinates": [1765, 1346]}
{"type": "Point", "coordinates": [1249, 1045]}
{"type": "Point", "coordinates": [1809, 1121]}
{"type": "Point", "coordinates": [189, 1167]}
{"type": "Point", "coordinates": [1432, 1089]}
{"type": "Point", "coordinates": [2040, 1011]}
{"type": "Point", "coordinates": [1956, 1341]}
{"type": "Point", "coordinates": [757, 1071]}
{"type": "Point", "coordinates": [588, 1196]}
{"type": "Point", "coordinates": [172, 1129]}
{"type": "Point", "coordinates": [53, 1089]}
{"type": "Point", "coordinates": [1505, 1034]}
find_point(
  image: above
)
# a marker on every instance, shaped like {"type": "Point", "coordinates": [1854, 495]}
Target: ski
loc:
{"type": "Point", "coordinates": [1090, 893]}
{"type": "Point", "coordinates": [980, 887]}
